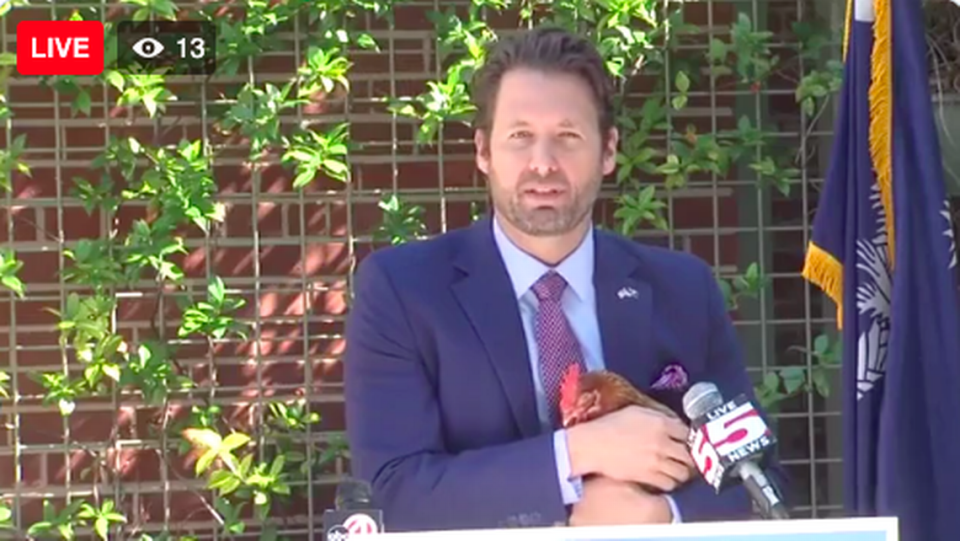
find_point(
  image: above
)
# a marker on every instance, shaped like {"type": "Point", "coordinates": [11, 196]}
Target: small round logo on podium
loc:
{"type": "Point", "coordinates": [360, 524]}
{"type": "Point", "coordinates": [338, 533]}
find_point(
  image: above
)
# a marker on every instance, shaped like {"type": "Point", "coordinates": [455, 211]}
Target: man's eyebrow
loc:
{"type": "Point", "coordinates": [520, 123]}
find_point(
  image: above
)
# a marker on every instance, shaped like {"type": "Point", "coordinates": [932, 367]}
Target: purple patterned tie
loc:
{"type": "Point", "coordinates": [557, 346]}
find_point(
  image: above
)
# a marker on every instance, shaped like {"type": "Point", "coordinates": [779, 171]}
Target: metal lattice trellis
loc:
{"type": "Point", "coordinates": [289, 254]}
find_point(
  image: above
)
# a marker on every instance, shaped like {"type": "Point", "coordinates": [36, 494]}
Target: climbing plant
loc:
{"type": "Point", "coordinates": [251, 472]}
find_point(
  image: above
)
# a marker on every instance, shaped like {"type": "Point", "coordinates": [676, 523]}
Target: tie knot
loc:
{"type": "Point", "coordinates": [549, 287]}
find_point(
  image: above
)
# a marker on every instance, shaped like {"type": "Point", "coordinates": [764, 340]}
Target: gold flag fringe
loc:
{"type": "Point", "coordinates": [881, 114]}
{"type": "Point", "coordinates": [824, 271]}
{"type": "Point", "coordinates": [846, 28]}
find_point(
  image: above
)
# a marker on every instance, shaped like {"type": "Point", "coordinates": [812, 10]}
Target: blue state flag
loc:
{"type": "Point", "coordinates": [882, 248]}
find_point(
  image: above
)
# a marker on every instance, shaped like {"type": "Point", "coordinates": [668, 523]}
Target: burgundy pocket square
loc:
{"type": "Point", "coordinates": [672, 378]}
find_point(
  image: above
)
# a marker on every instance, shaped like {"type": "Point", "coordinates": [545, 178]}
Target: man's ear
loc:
{"type": "Point", "coordinates": [481, 143]}
{"type": "Point", "coordinates": [610, 151]}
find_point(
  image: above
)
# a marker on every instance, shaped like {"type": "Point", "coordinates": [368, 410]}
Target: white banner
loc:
{"type": "Point", "coordinates": [848, 529]}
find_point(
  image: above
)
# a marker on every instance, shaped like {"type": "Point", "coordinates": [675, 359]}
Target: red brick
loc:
{"type": "Point", "coordinates": [31, 471]}
{"type": "Point", "coordinates": [316, 216]}
{"type": "Point", "coordinates": [184, 506]}
{"type": "Point", "coordinates": [93, 426]}
{"type": "Point", "coordinates": [41, 428]}
{"type": "Point", "coordinates": [378, 64]}
{"type": "Point", "coordinates": [703, 246]}
{"type": "Point", "coordinates": [138, 465]}
{"type": "Point", "coordinates": [331, 417]}
{"type": "Point", "coordinates": [412, 17]}
{"type": "Point", "coordinates": [77, 224]}
{"type": "Point", "coordinates": [25, 224]}
{"type": "Point", "coordinates": [39, 267]}
{"type": "Point", "coordinates": [33, 312]}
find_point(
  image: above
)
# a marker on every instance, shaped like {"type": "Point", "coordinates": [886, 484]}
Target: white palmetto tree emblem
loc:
{"type": "Point", "coordinates": [873, 302]}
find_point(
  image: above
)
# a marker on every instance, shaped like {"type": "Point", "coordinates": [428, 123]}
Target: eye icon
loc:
{"type": "Point", "coordinates": [147, 47]}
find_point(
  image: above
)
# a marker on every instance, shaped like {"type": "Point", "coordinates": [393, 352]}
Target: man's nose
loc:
{"type": "Point", "coordinates": [542, 158]}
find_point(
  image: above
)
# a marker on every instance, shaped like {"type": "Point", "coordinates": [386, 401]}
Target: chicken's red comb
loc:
{"type": "Point", "coordinates": [569, 386]}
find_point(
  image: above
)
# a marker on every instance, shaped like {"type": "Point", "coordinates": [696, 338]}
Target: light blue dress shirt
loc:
{"type": "Point", "coordinates": [579, 305]}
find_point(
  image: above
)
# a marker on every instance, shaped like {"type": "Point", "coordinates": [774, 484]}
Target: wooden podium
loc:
{"type": "Point", "coordinates": [844, 529]}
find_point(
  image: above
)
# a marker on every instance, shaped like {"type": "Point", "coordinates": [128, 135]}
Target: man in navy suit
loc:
{"type": "Point", "coordinates": [455, 344]}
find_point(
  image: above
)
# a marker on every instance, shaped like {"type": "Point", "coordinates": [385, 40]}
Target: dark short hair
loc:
{"type": "Point", "coordinates": [549, 49]}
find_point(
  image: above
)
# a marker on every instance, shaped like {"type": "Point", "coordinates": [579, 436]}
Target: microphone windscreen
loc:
{"type": "Point", "coordinates": [353, 494]}
{"type": "Point", "coordinates": [700, 399]}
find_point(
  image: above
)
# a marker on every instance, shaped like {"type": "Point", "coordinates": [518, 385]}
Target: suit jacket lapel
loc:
{"type": "Point", "coordinates": [486, 296]}
{"type": "Point", "coordinates": [624, 311]}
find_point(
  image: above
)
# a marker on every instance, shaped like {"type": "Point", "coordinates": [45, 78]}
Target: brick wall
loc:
{"type": "Point", "coordinates": [289, 255]}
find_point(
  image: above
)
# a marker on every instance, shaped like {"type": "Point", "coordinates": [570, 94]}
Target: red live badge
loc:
{"type": "Point", "coordinates": [60, 47]}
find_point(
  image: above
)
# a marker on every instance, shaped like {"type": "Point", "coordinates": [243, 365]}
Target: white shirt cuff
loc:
{"type": "Point", "coordinates": [674, 510]}
{"type": "Point", "coordinates": [571, 488]}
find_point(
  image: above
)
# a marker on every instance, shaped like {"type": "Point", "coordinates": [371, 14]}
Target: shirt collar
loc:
{"type": "Point", "coordinates": [525, 270]}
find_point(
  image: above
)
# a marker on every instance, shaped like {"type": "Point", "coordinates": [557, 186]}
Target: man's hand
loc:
{"type": "Point", "coordinates": [633, 444]}
{"type": "Point", "coordinates": [608, 502]}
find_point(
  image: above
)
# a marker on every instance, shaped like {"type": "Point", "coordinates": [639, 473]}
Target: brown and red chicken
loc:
{"type": "Point", "coordinates": [586, 396]}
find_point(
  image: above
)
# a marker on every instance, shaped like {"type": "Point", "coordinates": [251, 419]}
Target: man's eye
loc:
{"type": "Point", "coordinates": [569, 134]}
{"type": "Point", "coordinates": [520, 135]}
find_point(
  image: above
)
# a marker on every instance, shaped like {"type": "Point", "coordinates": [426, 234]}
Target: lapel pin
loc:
{"type": "Point", "coordinates": [627, 292]}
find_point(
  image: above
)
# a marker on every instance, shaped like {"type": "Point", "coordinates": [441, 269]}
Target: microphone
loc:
{"type": "Point", "coordinates": [727, 440]}
{"type": "Point", "coordinates": [354, 514]}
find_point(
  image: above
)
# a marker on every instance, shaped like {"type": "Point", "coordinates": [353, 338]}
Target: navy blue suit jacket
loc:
{"type": "Point", "coordinates": [440, 404]}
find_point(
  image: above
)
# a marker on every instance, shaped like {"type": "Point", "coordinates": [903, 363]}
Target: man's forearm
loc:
{"type": "Point", "coordinates": [512, 485]}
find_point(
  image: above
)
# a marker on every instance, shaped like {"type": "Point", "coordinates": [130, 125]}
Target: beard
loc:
{"type": "Point", "coordinates": [535, 218]}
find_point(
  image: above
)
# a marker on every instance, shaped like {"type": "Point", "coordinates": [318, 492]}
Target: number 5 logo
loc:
{"type": "Point", "coordinates": [706, 457]}
{"type": "Point", "coordinates": [737, 428]}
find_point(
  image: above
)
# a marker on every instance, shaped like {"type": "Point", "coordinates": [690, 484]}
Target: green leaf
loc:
{"type": "Point", "coordinates": [771, 381]}
{"type": "Point", "coordinates": [682, 82]}
{"type": "Point", "coordinates": [821, 382]}
{"type": "Point", "coordinates": [793, 378]}
{"type": "Point", "coordinates": [205, 461]}
{"type": "Point", "coordinates": [38, 528]}
{"type": "Point", "coordinates": [366, 41]}
{"type": "Point", "coordinates": [234, 441]}
{"type": "Point", "coordinates": [101, 526]}
{"type": "Point", "coordinates": [216, 290]}
{"type": "Point", "coordinates": [115, 79]}
{"type": "Point", "coordinates": [82, 102]}
{"type": "Point", "coordinates": [277, 467]}
{"type": "Point", "coordinates": [112, 371]}
{"type": "Point", "coordinates": [13, 284]}
{"type": "Point", "coordinates": [821, 344]}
